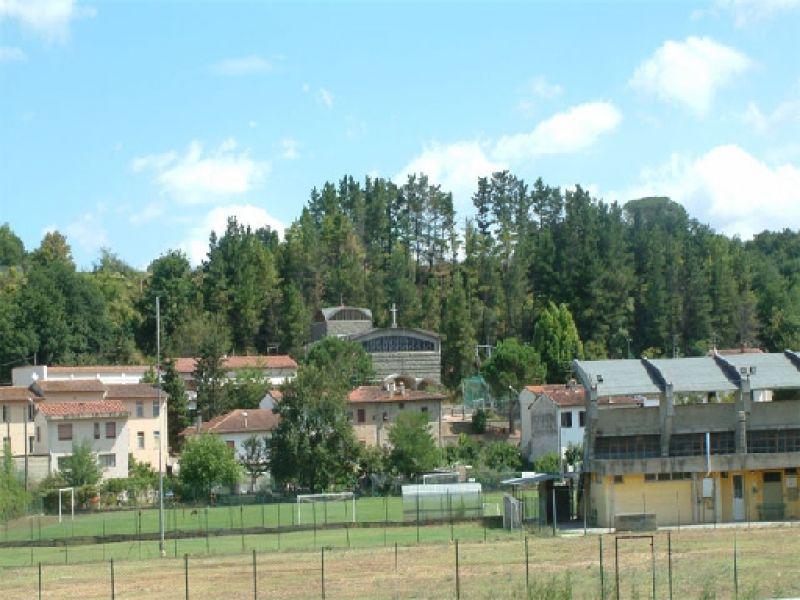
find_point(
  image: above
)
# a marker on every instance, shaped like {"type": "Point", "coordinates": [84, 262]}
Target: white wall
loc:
{"type": "Point", "coordinates": [83, 429]}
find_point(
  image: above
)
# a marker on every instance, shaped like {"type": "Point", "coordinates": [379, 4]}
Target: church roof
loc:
{"type": "Point", "coordinates": [396, 331]}
{"type": "Point", "coordinates": [330, 311]}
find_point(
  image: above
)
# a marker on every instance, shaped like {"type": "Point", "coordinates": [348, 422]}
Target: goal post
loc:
{"type": "Point", "coordinates": [71, 491]}
{"type": "Point", "coordinates": [325, 498]}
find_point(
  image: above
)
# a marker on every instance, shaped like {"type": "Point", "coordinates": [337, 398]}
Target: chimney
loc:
{"type": "Point", "coordinates": [401, 388]}
{"type": "Point", "coordinates": [244, 416]}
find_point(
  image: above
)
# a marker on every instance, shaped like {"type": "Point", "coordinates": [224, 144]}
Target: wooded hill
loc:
{"type": "Point", "coordinates": [645, 272]}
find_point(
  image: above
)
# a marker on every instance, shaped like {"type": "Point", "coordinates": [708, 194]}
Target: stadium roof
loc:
{"type": "Point", "coordinates": [708, 374]}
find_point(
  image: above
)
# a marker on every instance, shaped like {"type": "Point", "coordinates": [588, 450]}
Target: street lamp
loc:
{"type": "Point", "coordinates": [161, 546]}
{"type": "Point", "coordinates": [511, 403]}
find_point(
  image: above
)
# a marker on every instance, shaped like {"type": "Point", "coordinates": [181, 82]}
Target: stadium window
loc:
{"type": "Point", "coordinates": [566, 419]}
{"type": "Point", "coordinates": [65, 432]}
{"type": "Point", "coordinates": [111, 429]}
{"type": "Point", "coordinates": [619, 479]}
{"type": "Point", "coordinates": [649, 477]}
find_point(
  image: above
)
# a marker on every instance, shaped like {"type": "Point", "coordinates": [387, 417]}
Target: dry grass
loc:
{"type": "Point", "coordinates": [702, 568]}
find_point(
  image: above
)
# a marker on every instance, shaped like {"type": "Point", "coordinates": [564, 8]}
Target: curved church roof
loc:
{"type": "Point", "coordinates": [328, 314]}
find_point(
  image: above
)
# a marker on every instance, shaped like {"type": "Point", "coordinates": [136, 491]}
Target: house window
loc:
{"type": "Point", "coordinates": [62, 462]}
{"type": "Point", "coordinates": [385, 416]}
{"type": "Point", "coordinates": [619, 479]}
{"type": "Point", "coordinates": [156, 408]}
{"type": "Point", "coordinates": [108, 461]}
{"type": "Point", "coordinates": [65, 432]}
{"type": "Point", "coordinates": [566, 419]}
{"type": "Point", "coordinates": [140, 440]}
{"type": "Point", "coordinates": [139, 408]}
{"type": "Point", "coordinates": [424, 410]}
{"type": "Point", "coordinates": [582, 418]}
{"type": "Point", "coordinates": [401, 405]}
{"type": "Point", "coordinates": [111, 430]}
{"type": "Point", "coordinates": [5, 414]}
{"type": "Point", "coordinates": [230, 444]}
{"type": "Point", "coordinates": [97, 431]}
{"type": "Point", "coordinates": [30, 444]}
{"type": "Point", "coordinates": [31, 411]}
{"type": "Point", "coordinates": [38, 434]}
{"type": "Point", "coordinates": [362, 415]}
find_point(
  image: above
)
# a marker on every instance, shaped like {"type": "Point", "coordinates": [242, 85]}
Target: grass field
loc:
{"type": "Point", "coordinates": [287, 514]}
{"type": "Point", "coordinates": [561, 567]}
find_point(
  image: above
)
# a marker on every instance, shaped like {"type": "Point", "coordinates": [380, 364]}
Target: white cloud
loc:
{"type": "Point", "coordinates": [196, 244]}
{"type": "Point", "coordinates": [727, 187]}
{"type": "Point", "coordinates": [48, 18]}
{"type": "Point", "coordinates": [745, 12]}
{"type": "Point", "coordinates": [291, 148]}
{"type": "Point", "coordinates": [150, 211]}
{"type": "Point", "coordinates": [565, 132]}
{"type": "Point", "coordinates": [689, 72]}
{"type": "Point", "coordinates": [785, 112]}
{"type": "Point", "coordinates": [198, 176]}
{"type": "Point", "coordinates": [539, 89]}
{"type": "Point", "coordinates": [325, 98]}
{"type": "Point", "coordinates": [457, 166]}
{"type": "Point", "coordinates": [244, 65]}
{"type": "Point", "coordinates": [88, 233]}
{"type": "Point", "coordinates": [11, 54]}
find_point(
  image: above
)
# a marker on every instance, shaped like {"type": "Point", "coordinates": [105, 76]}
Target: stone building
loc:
{"type": "Point", "coordinates": [405, 354]}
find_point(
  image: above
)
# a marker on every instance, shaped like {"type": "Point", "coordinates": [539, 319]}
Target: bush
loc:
{"type": "Point", "coordinates": [479, 418]}
{"type": "Point", "coordinates": [14, 500]}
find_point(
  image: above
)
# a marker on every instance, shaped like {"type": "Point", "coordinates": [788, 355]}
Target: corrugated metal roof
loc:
{"type": "Point", "coordinates": [625, 377]}
{"type": "Point", "coordinates": [773, 371]}
{"type": "Point", "coordinates": [697, 374]}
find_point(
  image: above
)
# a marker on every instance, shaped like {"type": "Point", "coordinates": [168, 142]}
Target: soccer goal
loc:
{"type": "Point", "coordinates": [71, 491]}
{"type": "Point", "coordinates": [321, 509]}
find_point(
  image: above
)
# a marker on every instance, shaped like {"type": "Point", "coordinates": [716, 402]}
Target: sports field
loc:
{"type": "Point", "coordinates": [703, 566]}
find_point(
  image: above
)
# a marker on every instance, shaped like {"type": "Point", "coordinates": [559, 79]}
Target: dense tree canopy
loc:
{"type": "Point", "coordinates": [644, 275]}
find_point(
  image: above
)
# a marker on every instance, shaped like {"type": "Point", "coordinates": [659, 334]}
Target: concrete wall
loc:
{"type": "Point", "coordinates": [696, 464]}
{"type": "Point", "coordinates": [148, 425]}
{"type": "Point", "coordinates": [775, 415]}
{"type": "Point", "coordinates": [24, 376]}
{"type": "Point", "coordinates": [670, 501]}
{"type": "Point", "coordinates": [626, 420]}
{"type": "Point", "coordinates": [699, 418]}
{"type": "Point", "coordinates": [83, 429]}
{"type": "Point", "coordinates": [375, 430]}
{"type": "Point", "coordinates": [422, 365]}
{"type": "Point", "coordinates": [38, 466]}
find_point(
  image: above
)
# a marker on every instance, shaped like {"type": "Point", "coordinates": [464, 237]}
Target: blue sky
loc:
{"type": "Point", "coordinates": [140, 126]}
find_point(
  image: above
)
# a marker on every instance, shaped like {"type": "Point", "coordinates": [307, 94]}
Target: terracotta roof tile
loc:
{"type": "Point", "coordinates": [272, 361]}
{"type": "Point", "coordinates": [133, 390]}
{"type": "Point", "coordinates": [83, 409]}
{"type": "Point", "coordinates": [575, 395]}
{"type": "Point", "coordinates": [257, 420]}
{"type": "Point", "coordinates": [15, 393]}
{"type": "Point", "coordinates": [97, 369]}
{"type": "Point", "coordinates": [376, 393]}
{"type": "Point", "coordinates": [71, 385]}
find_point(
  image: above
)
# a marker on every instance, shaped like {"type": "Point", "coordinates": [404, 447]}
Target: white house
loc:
{"type": "Point", "coordinates": [237, 426]}
{"type": "Point", "coordinates": [60, 425]}
{"type": "Point", "coordinates": [553, 417]}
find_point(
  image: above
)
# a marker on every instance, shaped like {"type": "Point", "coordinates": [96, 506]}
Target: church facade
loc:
{"type": "Point", "coordinates": [411, 355]}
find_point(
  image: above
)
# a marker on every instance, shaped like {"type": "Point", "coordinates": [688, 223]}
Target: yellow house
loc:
{"type": "Point", "coordinates": [147, 419]}
{"type": "Point", "coordinates": [17, 406]}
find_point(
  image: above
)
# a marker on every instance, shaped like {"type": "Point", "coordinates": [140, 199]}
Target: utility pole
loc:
{"type": "Point", "coordinates": [161, 546]}
{"type": "Point", "coordinates": [25, 437]}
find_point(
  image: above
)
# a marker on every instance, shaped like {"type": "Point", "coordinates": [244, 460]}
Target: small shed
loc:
{"type": "Point", "coordinates": [442, 501]}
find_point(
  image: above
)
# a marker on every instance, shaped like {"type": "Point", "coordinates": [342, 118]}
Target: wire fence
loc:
{"type": "Point", "coordinates": [687, 564]}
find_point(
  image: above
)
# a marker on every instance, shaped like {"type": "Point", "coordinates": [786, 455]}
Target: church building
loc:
{"type": "Point", "coordinates": [413, 356]}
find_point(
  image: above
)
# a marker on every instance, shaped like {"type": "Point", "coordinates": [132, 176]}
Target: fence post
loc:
{"type": "Point", "coordinates": [347, 530]}
{"type": "Point", "coordinates": [458, 581]}
{"type": "Point", "coordinates": [40, 581]}
{"type": "Point", "coordinates": [395, 557]}
{"type": "Point", "coordinates": [735, 570]}
{"type": "Point", "coordinates": [322, 578]}
{"type": "Point", "coordinates": [653, 561]}
{"type": "Point", "coordinates": [417, 518]}
{"type": "Point", "coordinates": [669, 561]}
{"type": "Point", "coordinates": [527, 571]}
{"type": "Point", "coordinates": [113, 584]}
{"type": "Point", "coordinates": [241, 523]}
{"type": "Point", "coordinates": [186, 574]}
{"type": "Point", "coordinates": [616, 563]}
{"type": "Point", "coordinates": [208, 549]}
{"type": "Point", "coordinates": [255, 576]}
{"type": "Point", "coordinates": [602, 574]}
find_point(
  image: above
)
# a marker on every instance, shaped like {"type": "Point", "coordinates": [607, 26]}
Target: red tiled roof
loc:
{"type": "Point", "coordinates": [258, 419]}
{"type": "Point", "coordinates": [273, 361]}
{"type": "Point", "coordinates": [15, 393]}
{"type": "Point", "coordinates": [82, 409]}
{"type": "Point", "coordinates": [574, 395]}
{"type": "Point", "coordinates": [70, 385]}
{"type": "Point", "coordinates": [98, 369]}
{"type": "Point", "coordinates": [133, 390]}
{"type": "Point", "coordinates": [561, 394]}
{"type": "Point", "coordinates": [277, 394]}
{"type": "Point", "coordinates": [376, 393]}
